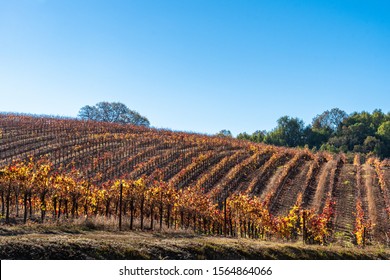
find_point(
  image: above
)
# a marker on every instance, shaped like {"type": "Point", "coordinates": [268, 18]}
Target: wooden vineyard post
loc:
{"type": "Point", "coordinates": [131, 214]}
{"type": "Point", "coordinates": [194, 221]}
{"type": "Point", "coordinates": [25, 208]}
{"type": "Point", "coordinates": [142, 212]}
{"type": "Point", "coordinates": [2, 204]}
{"type": "Point", "coordinates": [120, 205]}
{"type": "Point", "coordinates": [8, 198]}
{"type": "Point", "coordinates": [364, 236]}
{"type": "Point", "coordinates": [151, 216]}
{"type": "Point", "coordinates": [161, 215]}
{"type": "Point", "coordinates": [304, 230]}
{"type": "Point", "coordinates": [169, 216]}
{"type": "Point", "coordinates": [225, 216]}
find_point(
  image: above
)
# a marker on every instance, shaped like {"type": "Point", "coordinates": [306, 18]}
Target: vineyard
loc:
{"type": "Point", "coordinates": [53, 170]}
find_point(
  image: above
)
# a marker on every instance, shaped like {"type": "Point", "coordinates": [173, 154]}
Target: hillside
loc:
{"type": "Point", "coordinates": [78, 243]}
{"type": "Point", "coordinates": [220, 167]}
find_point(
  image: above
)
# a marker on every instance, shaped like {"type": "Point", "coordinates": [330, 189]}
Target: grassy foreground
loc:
{"type": "Point", "coordinates": [80, 242]}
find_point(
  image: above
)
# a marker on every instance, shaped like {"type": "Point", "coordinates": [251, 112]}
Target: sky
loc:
{"type": "Point", "coordinates": [196, 65]}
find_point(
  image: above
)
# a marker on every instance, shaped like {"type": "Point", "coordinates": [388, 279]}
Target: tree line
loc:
{"type": "Point", "coordinates": [334, 131]}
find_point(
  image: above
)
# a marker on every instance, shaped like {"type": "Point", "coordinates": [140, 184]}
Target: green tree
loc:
{"type": "Point", "coordinates": [224, 133]}
{"type": "Point", "coordinates": [372, 145]}
{"type": "Point", "coordinates": [384, 131]}
{"type": "Point", "coordinates": [329, 120]}
{"type": "Point", "coordinates": [325, 126]}
{"type": "Point", "coordinates": [257, 136]}
{"type": "Point", "coordinates": [384, 134]}
{"type": "Point", "coordinates": [114, 112]}
{"type": "Point", "coordinates": [315, 138]}
{"type": "Point", "coordinates": [289, 132]}
{"type": "Point", "coordinates": [244, 136]}
{"type": "Point", "coordinates": [362, 132]}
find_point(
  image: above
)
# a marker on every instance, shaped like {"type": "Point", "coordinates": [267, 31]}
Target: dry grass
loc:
{"type": "Point", "coordinates": [82, 241]}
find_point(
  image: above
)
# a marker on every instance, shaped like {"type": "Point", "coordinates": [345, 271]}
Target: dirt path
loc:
{"type": "Point", "coordinates": [312, 183]}
{"type": "Point", "coordinates": [344, 194]}
{"type": "Point", "coordinates": [245, 183]}
{"type": "Point", "coordinates": [288, 193]}
{"type": "Point", "coordinates": [271, 186]}
{"type": "Point", "coordinates": [259, 183]}
{"type": "Point", "coordinates": [376, 203]}
{"type": "Point", "coordinates": [386, 172]}
{"type": "Point", "coordinates": [323, 185]}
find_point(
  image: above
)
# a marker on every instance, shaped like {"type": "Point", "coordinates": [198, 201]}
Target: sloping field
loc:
{"type": "Point", "coordinates": [48, 243]}
{"type": "Point", "coordinates": [220, 167]}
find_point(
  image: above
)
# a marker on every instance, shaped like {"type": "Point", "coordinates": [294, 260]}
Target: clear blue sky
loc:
{"type": "Point", "coordinates": [199, 65]}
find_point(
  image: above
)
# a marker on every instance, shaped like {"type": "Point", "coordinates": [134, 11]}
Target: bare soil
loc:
{"type": "Point", "coordinates": [55, 243]}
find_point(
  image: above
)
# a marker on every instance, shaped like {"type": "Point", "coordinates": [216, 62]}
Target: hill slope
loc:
{"type": "Point", "coordinates": [221, 167]}
{"type": "Point", "coordinates": [78, 245]}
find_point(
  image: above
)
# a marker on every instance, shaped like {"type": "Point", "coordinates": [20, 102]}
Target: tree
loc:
{"type": "Point", "coordinates": [289, 132]}
{"type": "Point", "coordinates": [113, 112]}
{"type": "Point", "coordinates": [329, 120]}
{"type": "Point", "coordinates": [384, 131]}
{"type": "Point", "coordinates": [244, 136]}
{"type": "Point", "coordinates": [225, 133]}
{"type": "Point", "coordinates": [257, 136]}
{"type": "Point", "coordinates": [314, 138]}
{"type": "Point", "coordinates": [89, 113]}
{"type": "Point", "coordinates": [372, 145]}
